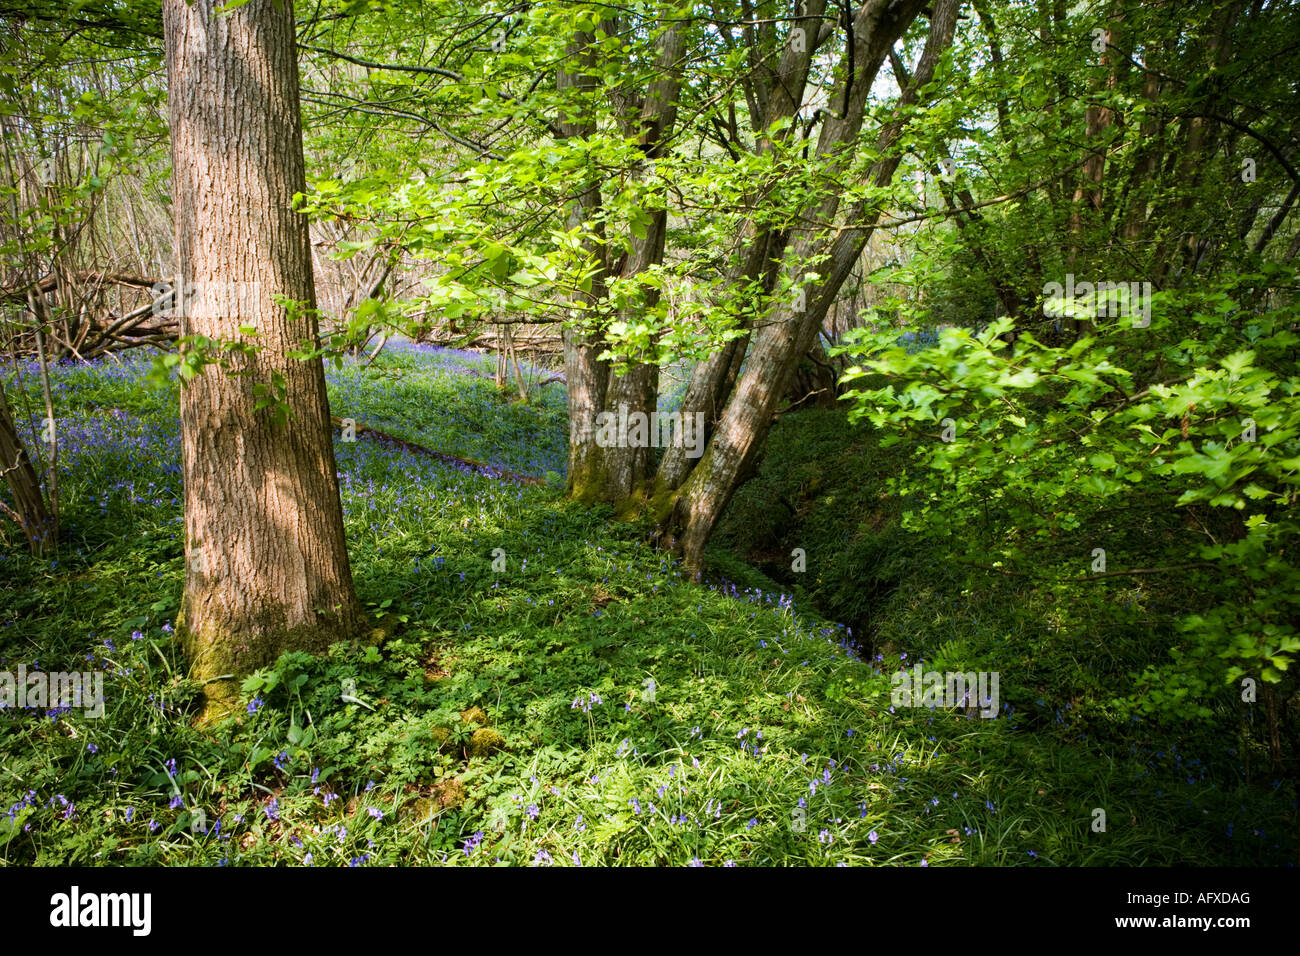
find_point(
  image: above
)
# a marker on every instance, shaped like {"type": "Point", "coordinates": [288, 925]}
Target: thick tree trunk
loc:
{"type": "Point", "coordinates": [585, 377]}
{"type": "Point", "coordinates": [267, 563]}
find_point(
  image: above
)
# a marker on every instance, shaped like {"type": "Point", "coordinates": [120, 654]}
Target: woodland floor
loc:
{"type": "Point", "coordinates": [638, 718]}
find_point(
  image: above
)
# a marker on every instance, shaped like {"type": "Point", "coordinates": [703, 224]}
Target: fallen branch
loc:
{"type": "Point", "coordinates": [49, 283]}
{"type": "Point", "coordinates": [482, 468]}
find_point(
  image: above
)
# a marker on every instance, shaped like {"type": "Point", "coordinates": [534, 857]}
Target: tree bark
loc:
{"type": "Point", "coordinates": [779, 97]}
{"type": "Point", "coordinates": [267, 564]}
{"type": "Point", "coordinates": [29, 511]}
{"type": "Point", "coordinates": [688, 517]}
{"type": "Point", "coordinates": [585, 375]}
{"type": "Point", "coordinates": [614, 474]}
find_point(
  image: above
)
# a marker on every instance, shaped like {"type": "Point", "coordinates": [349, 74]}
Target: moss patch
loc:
{"type": "Point", "coordinates": [484, 742]}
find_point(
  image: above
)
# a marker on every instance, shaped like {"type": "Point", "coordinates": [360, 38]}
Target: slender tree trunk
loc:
{"type": "Point", "coordinates": [267, 563]}
{"type": "Point", "coordinates": [688, 517]}
{"type": "Point", "coordinates": [29, 511]}
{"type": "Point", "coordinates": [1201, 139]}
{"type": "Point", "coordinates": [707, 390]}
{"type": "Point", "coordinates": [585, 375]}
{"type": "Point", "coordinates": [1086, 209]}
{"type": "Point", "coordinates": [614, 474]}
{"type": "Point", "coordinates": [777, 97]}
{"type": "Point", "coordinates": [814, 382]}
{"type": "Point", "coordinates": [1146, 168]}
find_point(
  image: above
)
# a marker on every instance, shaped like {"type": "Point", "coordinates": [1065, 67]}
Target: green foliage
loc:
{"type": "Point", "coordinates": [634, 717]}
{"type": "Point", "coordinates": [628, 776]}
{"type": "Point", "coordinates": [1177, 418]}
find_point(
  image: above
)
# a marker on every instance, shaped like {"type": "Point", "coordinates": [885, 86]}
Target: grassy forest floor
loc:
{"type": "Point", "coordinates": [588, 704]}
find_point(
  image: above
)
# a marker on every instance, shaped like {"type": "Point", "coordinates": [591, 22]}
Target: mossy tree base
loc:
{"type": "Point", "coordinates": [221, 656]}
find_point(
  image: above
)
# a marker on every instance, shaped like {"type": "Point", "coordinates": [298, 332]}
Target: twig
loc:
{"type": "Point", "coordinates": [1086, 577]}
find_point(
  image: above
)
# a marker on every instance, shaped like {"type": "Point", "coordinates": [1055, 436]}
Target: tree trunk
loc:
{"type": "Point", "coordinates": [713, 379]}
{"type": "Point", "coordinates": [814, 383]}
{"type": "Point", "coordinates": [267, 563]}
{"type": "Point", "coordinates": [585, 375]}
{"type": "Point", "coordinates": [29, 511]}
{"type": "Point", "coordinates": [687, 518]}
{"type": "Point", "coordinates": [614, 474]}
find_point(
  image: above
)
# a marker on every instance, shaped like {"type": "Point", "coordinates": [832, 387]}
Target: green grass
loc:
{"type": "Point", "coordinates": [765, 741]}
